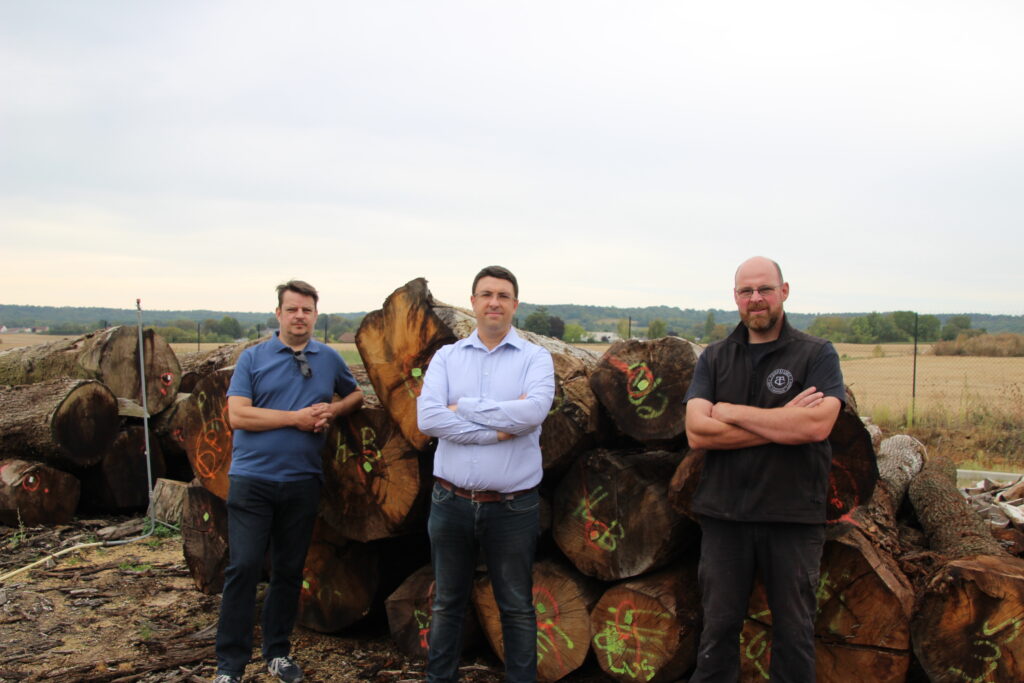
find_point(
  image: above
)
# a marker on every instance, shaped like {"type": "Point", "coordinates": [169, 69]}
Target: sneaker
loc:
{"type": "Point", "coordinates": [286, 670]}
{"type": "Point", "coordinates": [225, 678]}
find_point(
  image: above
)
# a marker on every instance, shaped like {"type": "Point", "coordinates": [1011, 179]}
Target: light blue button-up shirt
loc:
{"type": "Point", "coordinates": [486, 385]}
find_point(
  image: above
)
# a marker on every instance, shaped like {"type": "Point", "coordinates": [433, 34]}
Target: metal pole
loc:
{"type": "Point", "coordinates": [198, 325]}
{"type": "Point", "coordinates": [145, 409]}
{"type": "Point", "coordinates": [326, 320]}
{"type": "Point", "coordinates": [913, 388]}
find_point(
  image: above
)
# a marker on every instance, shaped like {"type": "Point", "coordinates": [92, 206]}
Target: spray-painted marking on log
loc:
{"type": "Point", "coordinates": [987, 651]}
{"type": "Point", "coordinates": [424, 618]}
{"type": "Point", "coordinates": [757, 647]}
{"type": "Point", "coordinates": [640, 386]}
{"type": "Point", "coordinates": [166, 379]}
{"type": "Point", "coordinates": [210, 457]}
{"type": "Point", "coordinates": [369, 453]}
{"type": "Point", "coordinates": [622, 640]}
{"type": "Point", "coordinates": [843, 503]}
{"type": "Point", "coordinates": [597, 533]}
{"type": "Point", "coordinates": [549, 631]}
{"type": "Point", "coordinates": [413, 381]}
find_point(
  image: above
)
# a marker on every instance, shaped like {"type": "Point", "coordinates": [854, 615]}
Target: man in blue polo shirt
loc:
{"type": "Point", "coordinates": [283, 394]}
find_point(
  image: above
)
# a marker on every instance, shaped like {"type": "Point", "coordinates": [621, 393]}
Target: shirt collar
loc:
{"type": "Point", "coordinates": [511, 339]}
{"type": "Point", "coordinates": [281, 346]}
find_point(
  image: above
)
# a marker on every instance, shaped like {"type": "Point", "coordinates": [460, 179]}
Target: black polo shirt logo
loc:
{"type": "Point", "coordinates": [780, 381]}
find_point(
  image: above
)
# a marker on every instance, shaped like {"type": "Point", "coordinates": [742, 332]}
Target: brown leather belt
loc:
{"type": "Point", "coordinates": [481, 496]}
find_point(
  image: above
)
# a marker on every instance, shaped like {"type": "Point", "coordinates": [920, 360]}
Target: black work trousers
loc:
{"type": "Point", "coordinates": [788, 557]}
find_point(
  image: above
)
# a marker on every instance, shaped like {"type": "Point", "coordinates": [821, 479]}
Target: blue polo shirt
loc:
{"type": "Point", "coordinates": [269, 375]}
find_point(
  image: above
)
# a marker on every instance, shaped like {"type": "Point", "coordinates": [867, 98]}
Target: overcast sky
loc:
{"type": "Point", "coordinates": [196, 153]}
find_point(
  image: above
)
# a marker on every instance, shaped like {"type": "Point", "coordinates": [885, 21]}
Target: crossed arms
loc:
{"type": "Point", "coordinates": [807, 418]}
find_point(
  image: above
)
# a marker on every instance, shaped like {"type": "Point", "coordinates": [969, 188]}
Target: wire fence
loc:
{"type": "Point", "coordinates": [909, 380]}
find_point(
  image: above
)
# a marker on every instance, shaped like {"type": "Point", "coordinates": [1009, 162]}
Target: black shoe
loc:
{"type": "Point", "coordinates": [225, 678]}
{"type": "Point", "coordinates": [286, 670]}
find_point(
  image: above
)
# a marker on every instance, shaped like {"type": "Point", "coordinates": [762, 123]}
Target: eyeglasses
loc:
{"type": "Point", "coordinates": [300, 358]}
{"type": "Point", "coordinates": [746, 292]}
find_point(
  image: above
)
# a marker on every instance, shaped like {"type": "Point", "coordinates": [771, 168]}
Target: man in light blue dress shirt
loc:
{"type": "Point", "coordinates": [484, 398]}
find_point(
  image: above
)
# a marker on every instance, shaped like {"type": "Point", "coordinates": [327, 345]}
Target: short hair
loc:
{"type": "Point", "coordinates": [299, 287]}
{"type": "Point", "coordinates": [498, 272]}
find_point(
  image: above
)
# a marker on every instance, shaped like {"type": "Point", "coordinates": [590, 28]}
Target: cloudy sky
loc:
{"type": "Point", "coordinates": [196, 153]}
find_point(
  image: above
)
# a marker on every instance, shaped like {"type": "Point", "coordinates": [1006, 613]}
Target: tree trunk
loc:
{"type": "Point", "coordinates": [854, 471]}
{"type": "Point", "coordinates": [32, 493]}
{"type": "Point", "coordinates": [863, 619]}
{"type": "Point", "coordinates": [199, 364]}
{"type": "Point", "coordinates": [396, 343]}
{"type": "Point", "coordinates": [410, 612]}
{"type": "Point", "coordinates": [900, 458]}
{"type": "Point", "coordinates": [969, 621]}
{"type": "Point", "coordinates": [642, 384]}
{"type": "Point", "coordinates": [67, 422]}
{"type": "Point", "coordinates": [573, 421]}
{"type": "Point", "coordinates": [204, 535]}
{"type": "Point", "coordinates": [375, 484]}
{"type": "Point", "coordinates": [118, 483]}
{"type": "Point", "coordinates": [338, 584]}
{"type": "Point", "coordinates": [851, 481]}
{"type": "Point", "coordinates": [109, 355]}
{"type": "Point", "coordinates": [168, 501]}
{"type": "Point", "coordinates": [612, 517]}
{"type": "Point", "coordinates": [169, 430]}
{"type": "Point", "coordinates": [562, 599]}
{"type": "Point", "coordinates": [953, 528]}
{"type": "Point", "coordinates": [207, 432]}
{"type": "Point", "coordinates": [648, 629]}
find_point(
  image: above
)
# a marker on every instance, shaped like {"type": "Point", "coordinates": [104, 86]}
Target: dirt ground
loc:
{"type": "Point", "coordinates": [131, 613]}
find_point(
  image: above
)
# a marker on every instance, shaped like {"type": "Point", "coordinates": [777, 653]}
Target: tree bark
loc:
{"type": "Point", "coordinates": [900, 458]}
{"type": "Point", "coordinates": [109, 355]}
{"type": "Point", "coordinates": [410, 612]}
{"type": "Point", "coordinates": [953, 528]}
{"type": "Point", "coordinates": [207, 431]}
{"type": "Point", "coordinates": [199, 364]}
{"type": "Point", "coordinates": [32, 493]}
{"type": "Point", "coordinates": [338, 584]}
{"type": "Point", "coordinates": [969, 624]}
{"type": "Point", "coordinates": [118, 482]}
{"type": "Point", "coordinates": [168, 501]}
{"type": "Point", "coordinates": [375, 484]}
{"type": "Point", "coordinates": [648, 629]}
{"type": "Point", "coordinates": [65, 422]}
{"type": "Point", "coordinates": [612, 517]}
{"type": "Point", "coordinates": [642, 384]}
{"type": "Point", "coordinates": [562, 599]}
{"type": "Point", "coordinates": [396, 343]}
{"type": "Point", "coordinates": [204, 535]}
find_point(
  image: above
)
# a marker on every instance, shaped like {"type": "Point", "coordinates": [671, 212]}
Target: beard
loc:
{"type": "Point", "coordinates": [759, 323]}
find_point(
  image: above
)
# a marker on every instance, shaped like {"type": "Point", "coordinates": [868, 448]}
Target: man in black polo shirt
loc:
{"type": "Point", "coordinates": [762, 402]}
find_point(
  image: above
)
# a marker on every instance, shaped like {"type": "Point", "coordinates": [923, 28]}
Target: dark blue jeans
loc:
{"type": "Point", "coordinates": [789, 558]}
{"type": "Point", "coordinates": [507, 532]}
{"type": "Point", "coordinates": [262, 515]}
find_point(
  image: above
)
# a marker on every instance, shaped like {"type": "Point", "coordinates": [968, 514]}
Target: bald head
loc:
{"type": "Point", "coordinates": [758, 263]}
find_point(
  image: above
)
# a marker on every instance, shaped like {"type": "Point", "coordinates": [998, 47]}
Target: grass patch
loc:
{"type": "Point", "coordinates": [129, 567]}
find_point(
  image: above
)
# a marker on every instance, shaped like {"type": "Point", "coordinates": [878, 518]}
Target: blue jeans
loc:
{"type": "Point", "coordinates": [789, 559]}
{"type": "Point", "coordinates": [507, 532]}
{"type": "Point", "coordinates": [263, 514]}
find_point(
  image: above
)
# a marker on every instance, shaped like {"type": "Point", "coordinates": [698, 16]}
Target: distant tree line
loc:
{"type": "Point", "coordinates": [897, 326]}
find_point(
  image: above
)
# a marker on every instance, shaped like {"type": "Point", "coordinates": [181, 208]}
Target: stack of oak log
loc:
{"type": "Point", "coordinates": [914, 585]}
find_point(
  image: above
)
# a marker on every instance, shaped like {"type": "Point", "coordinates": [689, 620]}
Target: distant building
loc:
{"type": "Point", "coordinates": [347, 338]}
{"type": "Point", "coordinates": [601, 337]}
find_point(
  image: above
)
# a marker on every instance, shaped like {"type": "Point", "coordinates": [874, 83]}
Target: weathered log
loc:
{"type": "Point", "coordinates": [852, 477]}
{"type": "Point", "coordinates": [118, 482]}
{"type": "Point", "coordinates": [953, 528]}
{"type": "Point", "coordinates": [32, 493]}
{"type": "Point", "coordinates": [199, 364]}
{"type": "Point", "coordinates": [60, 421]}
{"type": "Point", "coordinates": [204, 535]}
{"type": "Point", "coordinates": [168, 501]}
{"type": "Point", "coordinates": [109, 355]}
{"type": "Point", "coordinates": [863, 618]}
{"type": "Point", "coordinates": [573, 421]}
{"type": "Point", "coordinates": [642, 384]}
{"type": "Point", "coordinates": [900, 458]}
{"type": "Point", "coordinates": [168, 427]}
{"type": "Point", "coordinates": [562, 599]}
{"type": "Point", "coordinates": [396, 343]}
{"type": "Point", "coordinates": [648, 629]}
{"type": "Point", "coordinates": [375, 484]}
{"type": "Point", "coordinates": [612, 517]}
{"type": "Point", "coordinates": [969, 621]}
{"type": "Point", "coordinates": [410, 612]}
{"type": "Point", "coordinates": [207, 431]}
{"type": "Point", "coordinates": [338, 583]}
